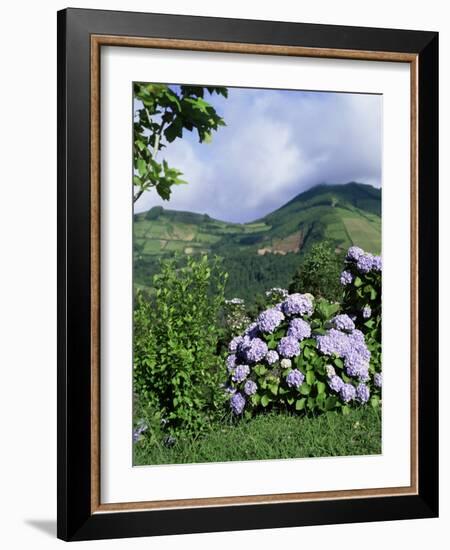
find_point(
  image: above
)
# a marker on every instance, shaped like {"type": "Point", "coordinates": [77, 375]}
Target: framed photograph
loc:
{"type": "Point", "coordinates": [247, 252]}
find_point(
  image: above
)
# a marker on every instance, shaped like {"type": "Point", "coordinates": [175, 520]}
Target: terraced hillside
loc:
{"type": "Point", "coordinates": [265, 252]}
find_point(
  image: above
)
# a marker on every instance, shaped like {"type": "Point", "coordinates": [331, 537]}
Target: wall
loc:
{"type": "Point", "coordinates": [28, 217]}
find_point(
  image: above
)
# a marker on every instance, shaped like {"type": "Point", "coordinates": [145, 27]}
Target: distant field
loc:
{"type": "Point", "coordinates": [366, 234]}
{"type": "Point", "coordinates": [270, 247]}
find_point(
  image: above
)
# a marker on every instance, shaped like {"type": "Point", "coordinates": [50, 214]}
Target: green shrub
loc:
{"type": "Point", "coordinates": [319, 273]}
{"type": "Point", "coordinates": [175, 340]}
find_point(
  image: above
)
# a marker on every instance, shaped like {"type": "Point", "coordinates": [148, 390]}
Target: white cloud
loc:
{"type": "Point", "coordinates": [276, 145]}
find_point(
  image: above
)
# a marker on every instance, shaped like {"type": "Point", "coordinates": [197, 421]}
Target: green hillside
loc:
{"type": "Point", "coordinates": [266, 252]}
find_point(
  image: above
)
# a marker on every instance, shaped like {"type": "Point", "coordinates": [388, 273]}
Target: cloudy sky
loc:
{"type": "Point", "coordinates": [277, 143]}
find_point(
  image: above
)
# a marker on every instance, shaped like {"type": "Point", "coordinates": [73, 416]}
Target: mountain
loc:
{"type": "Point", "coordinates": [267, 251]}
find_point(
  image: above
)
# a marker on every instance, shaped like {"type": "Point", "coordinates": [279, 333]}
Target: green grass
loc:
{"type": "Point", "coordinates": [366, 234]}
{"type": "Point", "coordinates": [272, 436]}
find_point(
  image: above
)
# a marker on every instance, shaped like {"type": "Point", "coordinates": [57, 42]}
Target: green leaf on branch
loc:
{"type": "Point", "coordinates": [321, 386]}
{"type": "Point", "coordinates": [330, 403]}
{"type": "Point", "coordinates": [305, 389]}
{"type": "Point", "coordinates": [300, 404]}
{"type": "Point", "coordinates": [265, 400]}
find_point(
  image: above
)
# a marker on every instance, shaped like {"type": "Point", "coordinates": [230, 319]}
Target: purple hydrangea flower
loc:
{"type": "Point", "coordinates": [288, 347]}
{"type": "Point", "coordinates": [333, 342]}
{"type": "Point", "coordinates": [343, 322]}
{"type": "Point", "coordinates": [250, 387]}
{"type": "Point", "coordinates": [354, 253]}
{"type": "Point", "coordinates": [233, 345]}
{"type": "Point", "coordinates": [335, 383]}
{"type": "Point", "coordinates": [362, 393]}
{"type": "Point", "coordinates": [237, 403]}
{"type": "Point", "coordinates": [347, 393]}
{"type": "Point", "coordinates": [230, 390]}
{"type": "Point", "coordinates": [240, 373]}
{"type": "Point", "coordinates": [362, 350]}
{"type": "Point", "coordinates": [272, 357]}
{"type": "Point", "coordinates": [297, 304]}
{"type": "Point", "coordinates": [269, 320]}
{"type": "Point", "coordinates": [355, 363]}
{"type": "Point", "coordinates": [378, 379]}
{"type": "Point", "coordinates": [295, 379]}
{"type": "Point", "coordinates": [256, 350]}
{"type": "Point", "coordinates": [346, 278]}
{"type": "Point", "coordinates": [356, 338]}
{"type": "Point", "coordinates": [299, 329]}
{"type": "Point", "coordinates": [376, 263]}
{"type": "Point", "coordinates": [231, 362]}
{"type": "Point", "coordinates": [363, 375]}
{"type": "Point", "coordinates": [365, 263]}
{"type": "Point", "coordinates": [366, 312]}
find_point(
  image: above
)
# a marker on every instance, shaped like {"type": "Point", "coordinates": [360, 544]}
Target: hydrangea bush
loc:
{"type": "Point", "coordinates": [361, 280]}
{"type": "Point", "coordinates": [304, 354]}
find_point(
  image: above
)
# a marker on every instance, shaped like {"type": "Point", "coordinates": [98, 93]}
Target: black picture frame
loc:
{"type": "Point", "coordinates": [76, 520]}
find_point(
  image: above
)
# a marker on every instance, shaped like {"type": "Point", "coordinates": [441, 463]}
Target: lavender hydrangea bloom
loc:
{"type": "Point", "coordinates": [365, 263]}
{"type": "Point", "coordinates": [367, 312]}
{"type": "Point", "coordinates": [288, 347]}
{"type": "Point", "coordinates": [250, 387]}
{"type": "Point", "coordinates": [354, 253]}
{"type": "Point", "coordinates": [363, 375]}
{"type": "Point", "coordinates": [362, 350]}
{"type": "Point", "coordinates": [231, 362]}
{"type": "Point", "coordinates": [256, 350]}
{"type": "Point", "coordinates": [355, 363]}
{"type": "Point", "coordinates": [378, 379]}
{"type": "Point", "coordinates": [343, 322]}
{"type": "Point", "coordinates": [333, 342]}
{"type": "Point", "coordinates": [299, 329]}
{"type": "Point", "coordinates": [286, 363]}
{"type": "Point", "coordinates": [272, 357]}
{"type": "Point", "coordinates": [230, 390]}
{"type": "Point", "coordinates": [233, 345]}
{"type": "Point", "coordinates": [269, 320]}
{"type": "Point", "coordinates": [297, 304]}
{"type": "Point", "coordinates": [336, 383]}
{"type": "Point", "coordinates": [346, 278]}
{"type": "Point", "coordinates": [362, 393]}
{"type": "Point", "coordinates": [295, 379]}
{"type": "Point", "coordinates": [347, 393]}
{"type": "Point", "coordinates": [356, 338]}
{"type": "Point", "coordinates": [237, 403]}
{"type": "Point", "coordinates": [240, 373]}
{"type": "Point", "coordinates": [376, 263]}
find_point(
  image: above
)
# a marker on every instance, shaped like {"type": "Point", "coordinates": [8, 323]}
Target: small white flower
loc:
{"type": "Point", "coordinates": [286, 363]}
{"type": "Point", "coordinates": [330, 371]}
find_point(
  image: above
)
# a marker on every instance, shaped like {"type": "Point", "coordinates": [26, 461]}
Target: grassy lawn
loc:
{"type": "Point", "coordinates": [273, 436]}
